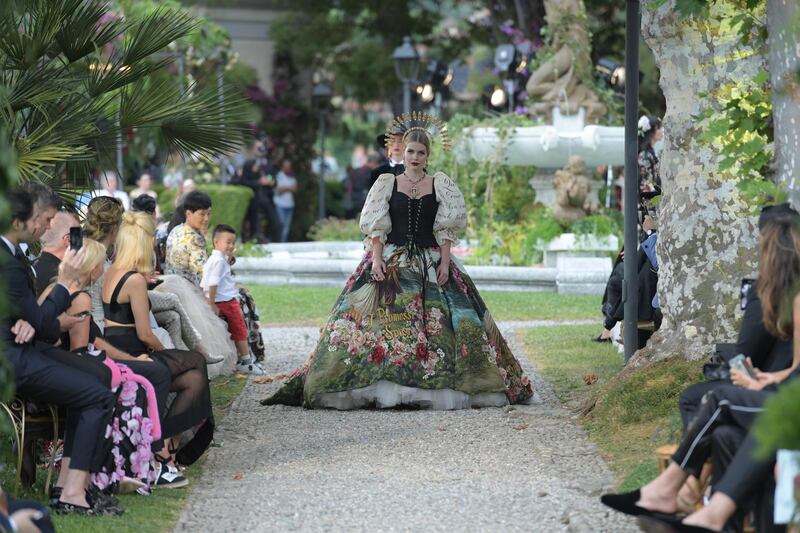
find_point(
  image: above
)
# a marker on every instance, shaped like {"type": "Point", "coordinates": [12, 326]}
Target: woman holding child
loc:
{"type": "Point", "coordinates": [410, 328]}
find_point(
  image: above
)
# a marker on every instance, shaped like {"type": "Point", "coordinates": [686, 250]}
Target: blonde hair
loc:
{"type": "Point", "coordinates": [134, 246]}
{"type": "Point", "coordinates": [94, 255]}
{"type": "Point", "coordinates": [103, 216]}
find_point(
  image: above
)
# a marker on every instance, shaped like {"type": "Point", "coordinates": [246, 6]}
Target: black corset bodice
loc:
{"type": "Point", "coordinates": [412, 220]}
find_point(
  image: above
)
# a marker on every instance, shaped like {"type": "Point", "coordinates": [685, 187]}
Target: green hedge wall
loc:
{"type": "Point", "coordinates": [229, 203]}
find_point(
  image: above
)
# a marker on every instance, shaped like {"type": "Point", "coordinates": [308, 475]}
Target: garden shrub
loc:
{"type": "Point", "coordinates": [335, 229]}
{"type": "Point", "coordinates": [230, 203]}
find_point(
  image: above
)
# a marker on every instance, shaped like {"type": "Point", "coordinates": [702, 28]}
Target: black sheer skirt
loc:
{"type": "Point", "coordinates": [192, 404]}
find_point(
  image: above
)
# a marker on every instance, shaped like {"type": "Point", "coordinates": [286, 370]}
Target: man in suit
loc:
{"type": "Point", "coordinates": [393, 145]}
{"type": "Point", "coordinates": [89, 403]}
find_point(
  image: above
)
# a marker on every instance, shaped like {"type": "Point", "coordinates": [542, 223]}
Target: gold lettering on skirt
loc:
{"type": "Point", "coordinates": [394, 333]}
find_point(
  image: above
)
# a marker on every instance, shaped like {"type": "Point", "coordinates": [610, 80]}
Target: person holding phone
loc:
{"type": "Point", "coordinates": [729, 405]}
{"type": "Point", "coordinates": [38, 376]}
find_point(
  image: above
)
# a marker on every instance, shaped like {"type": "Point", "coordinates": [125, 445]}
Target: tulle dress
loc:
{"type": "Point", "coordinates": [407, 340]}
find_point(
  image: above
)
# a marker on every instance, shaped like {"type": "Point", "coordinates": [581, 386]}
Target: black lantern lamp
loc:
{"type": "Point", "coordinates": [406, 66]}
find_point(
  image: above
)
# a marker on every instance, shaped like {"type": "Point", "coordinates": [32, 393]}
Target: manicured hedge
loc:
{"type": "Point", "coordinates": [229, 203]}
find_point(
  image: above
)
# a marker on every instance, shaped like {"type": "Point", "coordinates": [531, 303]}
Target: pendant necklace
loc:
{"type": "Point", "coordinates": [414, 189]}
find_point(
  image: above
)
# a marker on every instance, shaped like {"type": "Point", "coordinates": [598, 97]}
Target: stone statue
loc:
{"type": "Point", "coordinates": [564, 79]}
{"type": "Point", "coordinates": [572, 191]}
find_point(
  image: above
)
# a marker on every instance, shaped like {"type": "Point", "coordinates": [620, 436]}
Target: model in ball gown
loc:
{"type": "Point", "coordinates": [406, 340]}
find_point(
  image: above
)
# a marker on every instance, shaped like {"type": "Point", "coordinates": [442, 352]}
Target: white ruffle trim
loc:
{"type": "Point", "coordinates": [385, 394]}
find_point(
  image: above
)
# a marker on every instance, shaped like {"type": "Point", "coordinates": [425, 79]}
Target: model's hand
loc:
{"type": "Point", "coordinates": [378, 269]}
{"type": "Point", "coordinates": [442, 273]}
{"type": "Point", "coordinates": [144, 357]}
{"type": "Point", "coordinates": [23, 331]}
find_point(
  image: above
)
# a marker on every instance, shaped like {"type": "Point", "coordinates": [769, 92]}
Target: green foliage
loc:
{"type": "Point", "coordinates": [335, 229]}
{"type": "Point", "coordinates": [76, 74]}
{"type": "Point", "coordinates": [7, 179]}
{"type": "Point", "coordinates": [740, 126]}
{"type": "Point", "coordinates": [515, 244]}
{"type": "Point", "coordinates": [778, 427]}
{"type": "Point", "coordinates": [229, 203]}
{"type": "Point", "coordinates": [250, 249]}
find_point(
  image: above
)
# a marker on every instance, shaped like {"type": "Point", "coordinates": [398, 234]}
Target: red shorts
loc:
{"type": "Point", "coordinates": [231, 312]}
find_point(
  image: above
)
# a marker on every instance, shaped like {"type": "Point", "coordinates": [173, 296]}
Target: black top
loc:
{"type": "Point", "coordinates": [115, 311]}
{"type": "Point", "coordinates": [94, 331]}
{"type": "Point", "coordinates": [767, 352]}
{"type": "Point", "coordinates": [252, 170]}
{"type": "Point", "coordinates": [412, 219]}
{"type": "Point", "coordinates": [385, 168]}
{"type": "Point", "coordinates": [46, 268]}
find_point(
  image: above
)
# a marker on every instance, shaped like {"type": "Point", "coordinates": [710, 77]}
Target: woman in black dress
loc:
{"type": "Point", "coordinates": [127, 327]}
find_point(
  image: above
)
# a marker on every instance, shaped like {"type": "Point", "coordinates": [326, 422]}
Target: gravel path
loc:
{"type": "Point", "coordinates": [520, 468]}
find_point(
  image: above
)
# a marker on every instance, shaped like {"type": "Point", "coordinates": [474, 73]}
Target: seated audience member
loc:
{"type": "Point", "coordinates": [89, 403]}
{"type": "Point", "coordinates": [137, 412]}
{"type": "Point", "coordinates": [766, 352]}
{"type": "Point", "coordinates": [185, 256]}
{"type": "Point", "coordinates": [55, 242]}
{"type": "Point", "coordinates": [45, 206]}
{"type": "Point", "coordinates": [223, 296]}
{"type": "Point", "coordinates": [127, 327]}
{"type": "Point", "coordinates": [733, 405]}
{"type": "Point", "coordinates": [109, 186]}
{"type": "Point", "coordinates": [170, 323]}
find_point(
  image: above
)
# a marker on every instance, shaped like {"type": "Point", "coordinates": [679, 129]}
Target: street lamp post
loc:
{"type": "Point", "coordinates": [406, 66]}
{"type": "Point", "coordinates": [321, 94]}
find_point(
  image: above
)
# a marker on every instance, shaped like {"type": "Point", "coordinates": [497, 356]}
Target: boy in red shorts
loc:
{"type": "Point", "coordinates": [222, 294]}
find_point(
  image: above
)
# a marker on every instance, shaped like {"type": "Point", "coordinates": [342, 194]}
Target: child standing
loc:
{"type": "Point", "coordinates": [220, 289]}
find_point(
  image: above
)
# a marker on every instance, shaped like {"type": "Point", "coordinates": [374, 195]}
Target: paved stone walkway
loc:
{"type": "Point", "coordinates": [519, 468]}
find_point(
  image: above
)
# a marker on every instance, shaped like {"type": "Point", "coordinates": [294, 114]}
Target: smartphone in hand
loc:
{"type": "Point", "coordinates": [75, 238]}
{"type": "Point", "coordinates": [741, 364]}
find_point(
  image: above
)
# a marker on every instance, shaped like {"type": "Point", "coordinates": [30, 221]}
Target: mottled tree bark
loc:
{"type": "Point", "coordinates": [707, 242]}
{"type": "Point", "coordinates": [783, 17]}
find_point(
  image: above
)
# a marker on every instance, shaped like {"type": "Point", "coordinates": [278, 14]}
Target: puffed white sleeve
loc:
{"type": "Point", "coordinates": [451, 217]}
{"type": "Point", "coordinates": [375, 220]}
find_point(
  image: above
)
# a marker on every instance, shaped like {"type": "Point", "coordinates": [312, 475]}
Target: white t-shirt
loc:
{"type": "Point", "coordinates": [286, 198]}
{"type": "Point", "coordinates": [217, 272]}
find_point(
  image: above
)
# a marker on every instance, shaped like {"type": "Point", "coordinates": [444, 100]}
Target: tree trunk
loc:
{"type": "Point", "coordinates": [784, 49]}
{"type": "Point", "coordinates": [707, 242]}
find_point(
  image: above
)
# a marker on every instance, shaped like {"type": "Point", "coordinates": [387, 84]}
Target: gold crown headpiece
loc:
{"type": "Point", "coordinates": [419, 121]}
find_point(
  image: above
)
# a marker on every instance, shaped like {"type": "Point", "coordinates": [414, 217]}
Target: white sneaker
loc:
{"type": "Point", "coordinates": [248, 366]}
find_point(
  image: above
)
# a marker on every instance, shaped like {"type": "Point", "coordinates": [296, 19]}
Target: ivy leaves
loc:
{"type": "Point", "coordinates": [742, 128]}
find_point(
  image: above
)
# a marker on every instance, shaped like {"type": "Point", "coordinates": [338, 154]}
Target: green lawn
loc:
{"type": "Point", "coordinates": [628, 415]}
{"type": "Point", "coordinates": [310, 305]}
{"type": "Point", "coordinates": [155, 513]}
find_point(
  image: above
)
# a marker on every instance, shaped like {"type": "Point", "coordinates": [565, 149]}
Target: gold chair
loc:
{"type": "Point", "coordinates": [21, 420]}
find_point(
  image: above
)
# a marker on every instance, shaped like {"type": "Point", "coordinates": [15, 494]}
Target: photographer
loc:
{"type": "Point", "coordinates": [257, 174]}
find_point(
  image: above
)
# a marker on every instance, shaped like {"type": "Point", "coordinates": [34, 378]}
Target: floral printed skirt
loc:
{"type": "Point", "coordinates": [408, 341]}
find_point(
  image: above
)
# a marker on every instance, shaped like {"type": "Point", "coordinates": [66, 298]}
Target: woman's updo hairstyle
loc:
{"type": "Point", "coordinates": [103, 217]}
{"type": "Point", "coordinates": [134, 246]}
{"type": "Point", "coordinates": [418, 136]}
